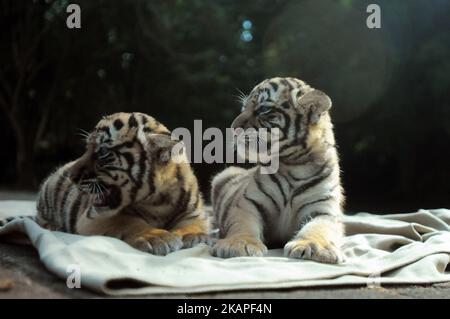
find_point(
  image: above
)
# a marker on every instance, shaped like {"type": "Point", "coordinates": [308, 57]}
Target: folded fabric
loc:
{"type": "Point", "coordinates": [409, 248]}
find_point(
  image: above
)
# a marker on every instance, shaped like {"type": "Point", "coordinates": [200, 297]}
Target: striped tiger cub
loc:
{"type": "Point", "coordinates": [126, 185]}
{"type": "Point", "coordinates": [300, 205]}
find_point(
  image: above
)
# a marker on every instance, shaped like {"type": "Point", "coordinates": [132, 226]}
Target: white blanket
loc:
{"type": "Point", "coordinates": [391, 249]}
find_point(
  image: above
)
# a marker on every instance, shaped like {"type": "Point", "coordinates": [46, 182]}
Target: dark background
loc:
{"type": "Point", "coordinates": [180, 60]}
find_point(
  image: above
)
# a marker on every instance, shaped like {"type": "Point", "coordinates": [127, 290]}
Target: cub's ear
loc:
{"type": "Point", "coordinates": [316, 102]}
{"type": "Point", "coordinates": [160, 146]}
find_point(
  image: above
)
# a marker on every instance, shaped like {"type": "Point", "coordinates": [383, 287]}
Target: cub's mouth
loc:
{"type": "Point", "coordinates": [106, 196]}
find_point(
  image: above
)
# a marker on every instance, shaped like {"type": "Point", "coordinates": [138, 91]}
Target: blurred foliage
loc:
{"type": "Point", "coordinates": [181, 60]}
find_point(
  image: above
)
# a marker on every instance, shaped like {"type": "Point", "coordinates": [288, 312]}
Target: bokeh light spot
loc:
{"type": "Point", "coordinates": [246, 36]}
{"type": "Point", "coordinates": [247, 24]}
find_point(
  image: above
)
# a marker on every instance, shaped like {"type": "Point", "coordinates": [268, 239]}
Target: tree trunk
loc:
{"type": "Point", "coordinates": [24, 167]}
{"type": "Point", "coordinates": [24, 157]}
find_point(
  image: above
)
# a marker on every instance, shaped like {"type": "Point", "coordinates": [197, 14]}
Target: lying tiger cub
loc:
{"type": "Point", "coordinates": [299, 206]}
{"type": "Point", "coordinates": [127, 186]}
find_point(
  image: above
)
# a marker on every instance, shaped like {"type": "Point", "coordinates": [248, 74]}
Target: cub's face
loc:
{"type": "Point", "coordinates": [287, 105]}
{"type": "Point", "coordinates": [116, 168]}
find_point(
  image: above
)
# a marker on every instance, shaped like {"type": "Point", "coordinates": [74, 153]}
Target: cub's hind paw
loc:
{"type": "Point", "coordinates": [236, 246]}
{"type": "Point", "coordinates": [313, 250]}
{"type": "Point", "coordinates": [157, 241]}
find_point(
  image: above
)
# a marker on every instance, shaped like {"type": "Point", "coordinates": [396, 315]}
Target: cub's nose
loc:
{"type": "Point", "coordinates": [240, 121]}
{"type": "Point", "coordinates": [82, 166]}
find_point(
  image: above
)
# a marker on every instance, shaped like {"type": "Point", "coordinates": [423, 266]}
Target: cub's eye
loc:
{"type": "Point", "coordinates": [272, 117]}
{"type": "Point", "coordinates": [264, 109]}
{"type": "Point", "coordinates": [103, 152]}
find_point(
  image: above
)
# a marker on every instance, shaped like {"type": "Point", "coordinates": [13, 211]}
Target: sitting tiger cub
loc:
{"type": "Point", "coordinates": [127, 186]}
{"type": "Point", "coordinates": [300, 205]}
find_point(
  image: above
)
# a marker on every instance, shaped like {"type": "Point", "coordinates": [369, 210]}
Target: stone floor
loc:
{"type": "Point", "coordinates": [23, 276]}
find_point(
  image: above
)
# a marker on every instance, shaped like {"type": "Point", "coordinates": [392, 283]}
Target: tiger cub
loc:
{"type": "Point", "coordinates": [300, 205]}
{"type": "Point", "coordinates": [126, 185]}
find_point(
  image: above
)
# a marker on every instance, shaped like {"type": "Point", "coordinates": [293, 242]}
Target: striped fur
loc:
{"type": "Point", "coordinates": [127, 186]}
{"type": "Point", "coordinates": [298, 207]}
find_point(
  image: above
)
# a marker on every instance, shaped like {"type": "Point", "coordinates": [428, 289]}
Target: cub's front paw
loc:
{"type": "Point", "coordinates": [190, 240]}
{"type": "Point", "coordinates": [237, 246]}
{"type": "Point", "coordinates": [157, 241]}
{"type": "Point", "coordinates": [313, 250]}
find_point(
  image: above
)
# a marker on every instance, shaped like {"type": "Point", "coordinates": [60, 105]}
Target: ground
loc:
{"type": "Point", "coordinates": [23, 276]}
